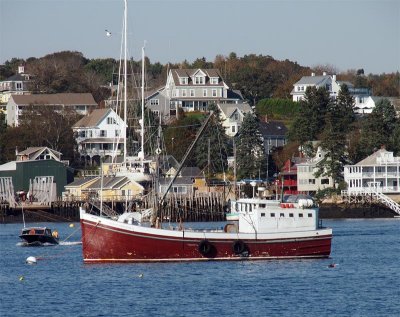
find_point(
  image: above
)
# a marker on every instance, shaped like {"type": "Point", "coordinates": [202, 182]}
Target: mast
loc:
{"type": "Point", "coordinates": [125, 73]}
{"type": "Point", "coordinates": [234, 169]}
{"type": "Point", "coordinates": [141, 156]}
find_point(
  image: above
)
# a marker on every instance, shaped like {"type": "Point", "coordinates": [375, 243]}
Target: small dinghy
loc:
{"type": "Point", "coordinates": [39, 235]}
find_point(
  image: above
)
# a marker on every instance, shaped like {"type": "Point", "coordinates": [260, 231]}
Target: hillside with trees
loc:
{"type": "Point", "coordinates": [264, 81]}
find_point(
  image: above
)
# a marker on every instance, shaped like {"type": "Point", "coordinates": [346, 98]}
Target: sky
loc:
{"type": "Point", "coordinates": [345, 34]}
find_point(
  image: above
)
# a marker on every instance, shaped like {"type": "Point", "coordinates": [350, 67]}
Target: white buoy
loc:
{"type": "Point", "coordinates": [31, 260]}
{"type": "Point", "coordinates": [71, 225]}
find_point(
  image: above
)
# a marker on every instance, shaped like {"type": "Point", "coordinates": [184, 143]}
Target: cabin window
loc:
{"type": "Point", "coordinates": [39, 231]}
{"type": "Point", "coordinates": [300, 215]}
{"type": "Point", "coordinates": [291, 215]}
{"type": "Point", "coordinates": [282, 215]}
{"type": "Point", "coordinates": [263, 214]}
{"type": "Point", "coordinates": [261, 205]}
{"type": "Point", "coordinates": [309, 215]}
{"type": "Point", "coordinates": [272, 214]}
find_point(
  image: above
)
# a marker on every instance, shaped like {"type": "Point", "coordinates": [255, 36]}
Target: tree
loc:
{"type": "Point", "coordinates": [250, 156]}
{"type": "Point", "coordinates": [43, 126]}
{"type": "Point", "coordinates": [309, 122]}
{"type": "Point", "coordinates": [180, 134]}
{"type": "Point", "coordinates": [3, 130]}
{"type": "Point", "coordinates": [377, 129]}
{"type": "Point", "coordinates": [338, 120]}
{"type": "Point", "coordinates": [213, 141]}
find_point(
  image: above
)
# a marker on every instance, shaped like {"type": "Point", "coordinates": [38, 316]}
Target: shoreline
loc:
{"type": "Point", "coordinates": [327, 211]}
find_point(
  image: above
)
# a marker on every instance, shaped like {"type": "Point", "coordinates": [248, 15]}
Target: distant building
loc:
{"type": "Point", "coordinates": [288, 176]}
{"type": "Point", "coordinates": [273, 133]}
{"type": "Point", "coordinates": [381, 168]}
{"type": "Point", "coordinates": [100, 135]}
{"type": "Point", "coordinates": [307, 182]}
{"type": "Point", "coordinates": [191, 90]}
{"type": "Point", "coordinates": [333, 86]}
{"type": "Point", "coordinates": [82, 103]}
{"type": "Point", "coordinates": [35, 163]}
{"type": "Point", "coordinates": [38, 153]}
{"type": "Point", "coordinates": [18, 84]}
{"type": "Point", "coordinates": [232, 115]}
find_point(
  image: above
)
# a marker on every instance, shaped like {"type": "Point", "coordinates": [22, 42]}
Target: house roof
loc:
{"type": "Point", "coordinates": [234, 94]}
{"type": "Point", "coordinates": [9, 166]}
{"type": "Point", "coordinates": [313, 80]}
{"type": "Point", "coordinates": [109, 182]}
{"type": "Point", "coordinates": [92, 119]}
{"type": "Point", "coordinates": [176, 73]}
{"type": "Point", "coordinates": [191, 172]}
{"type": "Point", "coordinates": [372, 159]}
{"type": "Point", "coordinates": [275, 128]}
{"type": "Point", "coordinates": [229, 108]}
{"type": "Point", "coordinates": [177, 181]}
{"type": "Point", "coordinates": [78, 182]}
{"type": "Point", "coordinates": [36, 151]}
{"type": "Point", "coordinates": [56, 99]}
{"type": "Point", "coordinates": [16, 77]}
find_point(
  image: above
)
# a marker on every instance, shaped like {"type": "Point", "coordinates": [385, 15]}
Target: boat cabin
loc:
{"type": "Point", "coordinates": [262, 215]}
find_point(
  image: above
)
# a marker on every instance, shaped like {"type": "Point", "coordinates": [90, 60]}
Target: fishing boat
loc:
{"type": "Point", "coordinates": [266, 229]}
{"type": "Point", "coordinates": [35, 236]}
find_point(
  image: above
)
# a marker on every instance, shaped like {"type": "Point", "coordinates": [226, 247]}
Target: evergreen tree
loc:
{"type": "Point", "coordinates": [378, 129]}
{"type": "Point", "coordinates": [250, 156]}
{"type": "Point", "coordinates": [3, 129]}
{"type": "Point", "coordinates": [309, 120]}
{"type": "Point", "coordinates": [338, 120]}
{"type": "Point", "coordinates": [215, 141]}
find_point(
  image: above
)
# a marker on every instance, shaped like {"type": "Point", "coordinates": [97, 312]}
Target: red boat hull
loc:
{"type": "Point", "coordinates": [103, 243]}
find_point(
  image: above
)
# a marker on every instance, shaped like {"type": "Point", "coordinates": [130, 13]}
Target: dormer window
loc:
{"type": "Point", "coordinates": [199, 80]}
{"type": "Point", "coordinates": [214, 80]}
{"type": "Point", "coordinates": [183, 80]}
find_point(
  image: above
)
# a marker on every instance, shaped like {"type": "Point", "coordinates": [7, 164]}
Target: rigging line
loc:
{"type": "Point", "coordinates": [184, 126]}
{"type": "Point", "coordinates": [220, 152]}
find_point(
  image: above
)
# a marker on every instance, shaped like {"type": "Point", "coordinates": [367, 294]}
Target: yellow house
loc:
{"type": "Point", "coordinates": [73, 191]}
{"type": "Point", "coordinates": [112, 188]}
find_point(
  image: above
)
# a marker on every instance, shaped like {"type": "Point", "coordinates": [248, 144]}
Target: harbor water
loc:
{"type": "Point", "coordinates": [365, 280]}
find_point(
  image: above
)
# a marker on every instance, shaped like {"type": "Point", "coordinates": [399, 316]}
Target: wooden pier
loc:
{"type": "Point", "coordinates": [176, 207]}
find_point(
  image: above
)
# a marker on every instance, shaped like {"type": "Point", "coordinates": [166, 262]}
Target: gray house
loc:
{"type": "Point", "coordinates": [191, 90]}
{"type": "Point", "coordinates": [274, 134]}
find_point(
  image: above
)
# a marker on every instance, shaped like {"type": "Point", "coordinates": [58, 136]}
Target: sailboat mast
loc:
{"type": "Point", "coordinates": [125, 72]}
{"type": "Point", "coordinates": [142, 123]}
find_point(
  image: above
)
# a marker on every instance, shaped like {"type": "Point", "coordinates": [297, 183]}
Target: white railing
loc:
{"type": "Point", "coordinates": [375, 191]}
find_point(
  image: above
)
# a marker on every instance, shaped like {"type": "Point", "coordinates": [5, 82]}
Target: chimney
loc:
{"type": "Point", "coordinates": [334, 77]}
{"type": "Point", "coordinates": [312, 74]}
{"type": "Point", "coordinates": [324, 74]}
{"type": "Point", "coordinates": [21, 69]}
